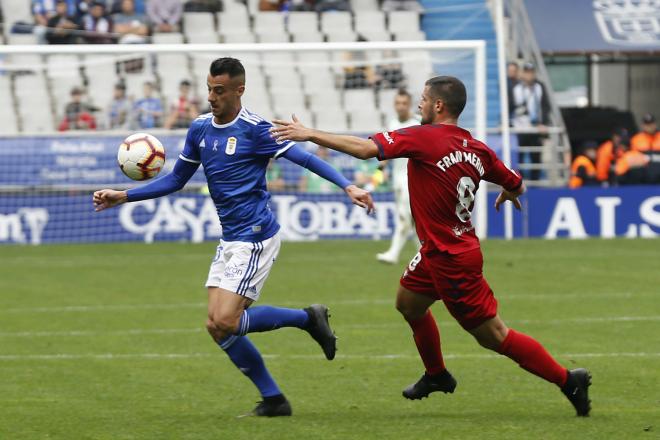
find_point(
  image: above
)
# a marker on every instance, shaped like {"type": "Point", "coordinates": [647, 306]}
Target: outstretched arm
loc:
{"type": "Point", "coordinates": [174, 181]}
{"type": "Point", "coordinates": [317, 166]}
{"type": "Point", "coordinates": [295, 131]}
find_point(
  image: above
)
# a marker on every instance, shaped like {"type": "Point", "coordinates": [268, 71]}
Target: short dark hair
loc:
{"type": "Point", "coordinates": [451, 91]}
{"type": "Point", "coordinates": [228, 65]}
{"type": "Point", "coordinates": [403, 92]}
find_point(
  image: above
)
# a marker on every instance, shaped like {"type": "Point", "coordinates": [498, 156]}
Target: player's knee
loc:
{"type": "Point", "coordinates": [488, 342]}
{"type": "Point", "coordinates": [214, 330]}
{"type": "Point", "coordinates": [491, 334]}
{"type": "Point", "coordinates": [226, 324]}
{"type": "Point", "coordinates": [409, 312]}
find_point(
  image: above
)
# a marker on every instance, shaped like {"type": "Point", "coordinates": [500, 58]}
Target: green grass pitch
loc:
{"type": "Point", "coordinates": [107, 342]}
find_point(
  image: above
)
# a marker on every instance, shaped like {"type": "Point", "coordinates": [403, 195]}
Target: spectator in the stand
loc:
{"type": "Point", "coordinates": [331, 5]}
{"type": "Point", "coordinates": [120, 108]}
{"type": "Point", "coordinates": [148, 110]}
{"type": "Point", "coordinates": [389, 75]}
{"type": "Point", "coordinates": [631, 166]}
{"type": "Point", "coordinates": [97, 25]}
{"type": "Point", "coordinates": [165, 15]}
{"type": "Point", "coordinates": [304, 5]}
{"type": "Point", "coordinates": [271, 5]}
{"type": "Point", "coordinates": [212, 6]}
{"type": "Point", "coordinates": [130, 25]}
{"type": "Point", "coordinates": [401, 5]}
{"type": "Point", "coordinates": [42, 12]}
{"type": "Point", "coordinates": [356, 74]}
{"type": "Point", "coordinates": [184, 109]}
{"type": "Point", "coordinates": [649, 138]}
{"type": "Point", "coordinates": [63, 26]}
{"type": "Point", "coordinates": [608, 153]}
{"type": "Point", "coordinates": [138, 6]}
{"type": "Point", "coordinates": [583, 169]}
{"type": "Point", "coordinates": [532, 113]}
{"type": "Point", "coordinates": [512, 78]}
{"type": "Point", "coordinates": [312, 183]}
{"type": "Point", "coordinates": [84, 7]}
{"type": "Point", "coordinates": [274, 179]}
{"type": "Point", "coordinates": [77, 115]}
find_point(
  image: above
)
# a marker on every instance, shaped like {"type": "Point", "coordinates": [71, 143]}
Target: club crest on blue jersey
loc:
{"type": "Point", "coordinates": [231, 146]}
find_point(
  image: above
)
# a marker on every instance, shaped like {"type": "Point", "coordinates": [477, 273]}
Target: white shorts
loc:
{"type": "Point", "coordinates": [243, 267]}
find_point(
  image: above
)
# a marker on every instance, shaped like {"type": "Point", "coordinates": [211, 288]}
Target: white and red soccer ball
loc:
{"type": "Point", "coordinates": [141, 156]}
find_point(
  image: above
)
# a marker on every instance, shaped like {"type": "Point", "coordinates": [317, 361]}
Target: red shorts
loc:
{"type": "Point", "coordinates": [457, 280]}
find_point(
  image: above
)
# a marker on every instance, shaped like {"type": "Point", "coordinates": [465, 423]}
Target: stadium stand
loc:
{"type": "Point", "coordinates": [278, 83]}
{"type": "Point", "coordinates": [460, 20]}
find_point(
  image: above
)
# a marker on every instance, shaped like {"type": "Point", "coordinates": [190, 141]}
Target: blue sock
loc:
{"type": "Point", "coordinates": [267, 318]}
{"type": "Point", "coordinates": [246, 357]}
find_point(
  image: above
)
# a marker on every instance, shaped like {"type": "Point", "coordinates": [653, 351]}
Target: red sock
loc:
{"type": "Point", "coordinates": [427, 339]}
{"type": "Point", "coordinates": [531, 356]}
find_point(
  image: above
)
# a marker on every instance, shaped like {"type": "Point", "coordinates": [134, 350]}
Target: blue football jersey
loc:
{"type": "Point", "coordinates": [235, 157]}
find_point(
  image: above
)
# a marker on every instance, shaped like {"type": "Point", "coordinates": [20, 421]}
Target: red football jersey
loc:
{"type": "Point", "coordinates": [445, 167]}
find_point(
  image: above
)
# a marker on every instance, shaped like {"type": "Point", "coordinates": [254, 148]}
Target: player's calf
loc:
{"type": "Point", "coordinates": [491, 334]}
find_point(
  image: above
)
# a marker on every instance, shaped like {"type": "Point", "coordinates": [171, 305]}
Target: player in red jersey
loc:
{"type": "Point", "coordinates": [445, 167]}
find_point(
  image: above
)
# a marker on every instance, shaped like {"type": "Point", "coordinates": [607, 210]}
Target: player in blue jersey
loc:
{"type": "Point", "coordinates": [234, 146]}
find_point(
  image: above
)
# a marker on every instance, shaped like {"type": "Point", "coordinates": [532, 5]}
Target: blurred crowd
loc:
{"type": "Point", "coordinates": [621, 160]}
{"type": "Point", "coordinates": [132, 21]}
{"type": "Point", "coordinates": [103, 21]}
{"type": "Point", "coordinates": [124, 112]}
{"type": "Point", "coordinates": [334, 5]}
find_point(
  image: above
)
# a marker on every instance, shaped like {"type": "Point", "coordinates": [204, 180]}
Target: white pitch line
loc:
{"type": "Point", "coordinates": [131, 332]}
{"type": "Point", "coordinates": [339, 327]}
{"type": "Point", "coordinates": [405, 356]}
{"type": "Point", "coordinates": [348, 302]}
{"type": "Point", "coordinates": [104, 307]}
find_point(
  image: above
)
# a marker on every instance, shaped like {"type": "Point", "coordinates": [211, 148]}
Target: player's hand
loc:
{"type": "Point", "coordinates": [107, 198]}
{"type": "Point", "coordinates": [290, 130]}
{"type": "Point", "coordinates": [504, 196]}
{"type": "Point", "coordinates": [361, 198]}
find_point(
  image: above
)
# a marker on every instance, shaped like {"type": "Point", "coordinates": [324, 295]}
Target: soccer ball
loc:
{"type": "Point", "coordinates": [141, 156]}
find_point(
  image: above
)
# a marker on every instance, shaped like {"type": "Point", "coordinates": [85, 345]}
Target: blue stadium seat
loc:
{"type": "Point", "coordinates": [467, 20]}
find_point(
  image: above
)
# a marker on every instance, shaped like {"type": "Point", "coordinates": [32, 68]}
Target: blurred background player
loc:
{"type": "Point", "coordinates": [231, 141]}
{"type": "Point", "coordinates": [403, 222]}
{"type": "Point", "coordinates": [447, 164]}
